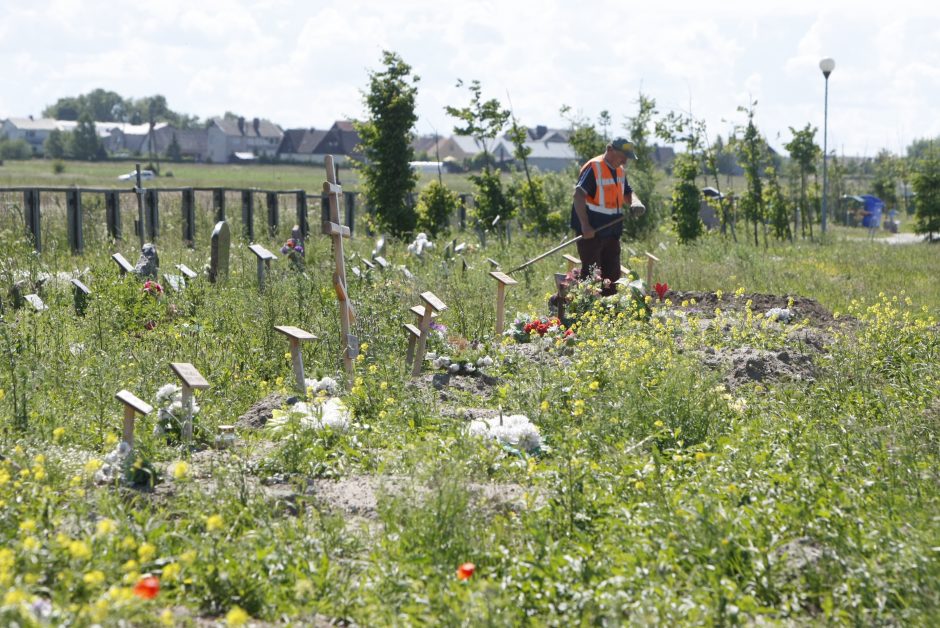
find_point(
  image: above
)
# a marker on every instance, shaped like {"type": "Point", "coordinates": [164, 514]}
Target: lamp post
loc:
{"type": "Point", "coordinates": [827, 66]}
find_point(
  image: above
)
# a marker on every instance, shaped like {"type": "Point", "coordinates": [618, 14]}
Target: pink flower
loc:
{"type": "Point", "coordinates": [661, 290]}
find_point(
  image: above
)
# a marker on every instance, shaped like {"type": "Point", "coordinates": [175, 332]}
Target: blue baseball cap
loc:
{"type": "Point", "coordinates": [625, 146]}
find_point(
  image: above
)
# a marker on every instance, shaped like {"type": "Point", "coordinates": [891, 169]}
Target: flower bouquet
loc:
{"type": "Point", "coordinates": [585, 293]}
{"type": "Point", "coordinates": [548, 329]}
{"type": "Point", "coordinates": [516, 433]}
{"type": "Point", "coordinates": [171, 414]}
{"type": "Point", "coordinates": [294, 250]}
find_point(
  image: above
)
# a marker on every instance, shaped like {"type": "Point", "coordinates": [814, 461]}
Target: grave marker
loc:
{"type": "Point", "coordinates": [140, 224]}
{"type": "Point", "coordinates": [219, 251]}
{"type": "Point", "coordinates": [624, 271]}
{"type": "Point", "coordinates": [503, 280]}
{"type": "Point", "coordinates": [561, 286]}
{"type": "Point", "coordinates": [368, 264]}
{"type": "Point", "coordinates": [191, 379]}
{"type": "Point", "coordinates": [188, 272]}
{"type": "Point", "coordinates": [264, 262]}
{"type": "Point", "coordinates": [573, 262]}
{"type": "Point", "coordinates": [80, 294]}
{"type": "Point", "coordinates": [418, 311]}
{"type": "Point", "coordinates": [36, 301]}
{"type": "Point", "coordinates": [381, 261]}
{"type": "Point", "coordinates": [431, 304]}
{"type": "Point", "coordinates": [174, 281]}
{"type": "Point", "coordinates": [650, 260]}
{"type": "Point", "coordinates": [337, 232]}
{"type": "Point", "coordinates": [460, 247]}
{"type": "Point", "coordinates": [493, 263]}
{"type": "Point", "coordinates": [296, 336]}
{"type": "Point", "coordinates": [132, 405]}
{"type": "Point", "coordinates": [188, 209]}
{"type": "Point", "coordinates": [123, 265]}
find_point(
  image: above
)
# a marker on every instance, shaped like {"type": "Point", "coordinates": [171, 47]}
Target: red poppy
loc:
{"type": "Point", "coordinates": [465, 571]}
{"type": "Point", "coordinates": [661, 290]}
{"type": "Point", "coordinates": [147, 587]}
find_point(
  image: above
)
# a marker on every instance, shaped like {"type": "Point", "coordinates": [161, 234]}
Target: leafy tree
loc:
{"type": "Point", "coordinates": [752, 150]}
{"type": "Point", "coordinates": [926, 182]}
{"type": "Point", "coordinates": [686, 199]}
{"type": "Point", "coordinates": [84, 142]}
{"type": "Point", "coordinates": [921, 148]}
{"type": "Point", "coordinates": [777, 206]}
{"type": "Point", "coordinates": [583, 137]}
{"type": "Point", "coordinates": [14, 149]}
{"type": "Point", "coordinates": [528, 195]}
{"type": "Point", "coordinates": [437, 204]}
{"type": "Point", "coordinates": [643, 175]}
{"type": "Point", "coordinates": [386, 142]}
{"type": "Point", "coordinates": [54, 146]}
{"type": "Point", "coordinates": [173, 151]}
{"type": "Point", "coordinates": [804, 151]}
{"type": "Point", "coordinates": [885, 182]}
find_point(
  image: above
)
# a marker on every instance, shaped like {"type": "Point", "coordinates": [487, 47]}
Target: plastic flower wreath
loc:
{"type": "Point", "coordinates": [151, 287]}
{"type": "Point", "coordinates": [171, 414]}
{"type": "Point", "coordinates": [294, 250]}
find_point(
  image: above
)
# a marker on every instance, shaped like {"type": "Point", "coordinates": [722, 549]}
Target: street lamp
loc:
{"type": "Point", "coordinates": [827, 66]}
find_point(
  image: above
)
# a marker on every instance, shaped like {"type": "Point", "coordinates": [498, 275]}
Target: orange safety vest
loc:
{"type": "Point", "coordinates": [608, 197]}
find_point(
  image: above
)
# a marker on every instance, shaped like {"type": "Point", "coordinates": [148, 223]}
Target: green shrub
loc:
{"type": "Point", "coordinates": [437, 204]}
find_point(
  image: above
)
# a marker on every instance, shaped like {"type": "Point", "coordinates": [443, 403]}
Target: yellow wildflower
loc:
{"type": "Point", "coordinates": [236, 617]}
{"type": "Point", "coordinates": [171, 571]}
{"type": "Point", "coordinates": [31, 544]}
{"type": "Point", "coordinates": [93, 578]}
{"type": "Point", "coordinates": [28, 525]}
{"type": "Point", "coordinates": [180, 470]}
{"type": "Point", "coordinates": [92, 466]}
{"type": "Point", "coordinates": [213, 523]}
{"type": "Point", "coordinates": [105, 527]}
{"type": "Point", "coordinates": [167, 618]}
{"type": "Point", "coordinates": [146, 551]}
{"type": "Point", "coordinates": [110, 440]}
{"type": "Point", "coordinates": [79, 550]}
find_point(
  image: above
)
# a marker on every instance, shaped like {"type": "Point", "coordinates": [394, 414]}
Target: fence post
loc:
{"type": "Point", "coordinates": [324, 208]}
{"type": "Point", "coordinates": [218, 202]}
{"type": "Point", "coordinates": [462, 212]}
{"type": "Point", "coordinates": [188, 206]}
{"type": "Point", "coordinates": [248, 214]}
{"type": "Point", "coordinates": [152, 198]}
{"type": "Point", "coordinates": [31, 200]}
{"type": "Point", "coordinates": [73, 210]}
{"type": "Point", "coordinates": [274, 214]}
{"type": "Point", "coordinates": [112, 213]}
{"type": "Point", "coordinates": [350, 210]}
{"type": "Point", "coordinates": [302, 214]}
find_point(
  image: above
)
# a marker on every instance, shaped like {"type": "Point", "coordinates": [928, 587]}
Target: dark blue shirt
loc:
{"type": "Point", "coordinates": [588, 183]}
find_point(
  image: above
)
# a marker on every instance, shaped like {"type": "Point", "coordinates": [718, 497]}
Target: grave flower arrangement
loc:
{"type": "Point", "coordinates": [321, 411]}
{"type": "Point", "coordinates": [293, 249]}
{"type": "Point", "coordinates": [516, 433]}
{"type": "Point", "coordinates": [472, 363]}
{"type": "Point", "coordinates": [585, 293]}
{"type": "Point", "coordinates": [547, 329]}
{"type": "Point", "coordinates": [171, 414]}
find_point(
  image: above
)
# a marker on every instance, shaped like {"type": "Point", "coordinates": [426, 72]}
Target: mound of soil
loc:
{"type": "Point", "coordinates": [803, 308]}
{"type": "Point", "coordinates": [259, 414]}
{"type": "Point", "coordinates": [745, 365]}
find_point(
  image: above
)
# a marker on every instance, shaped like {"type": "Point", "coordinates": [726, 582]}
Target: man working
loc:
{"type": "Point", "coordinates": [602, 190]}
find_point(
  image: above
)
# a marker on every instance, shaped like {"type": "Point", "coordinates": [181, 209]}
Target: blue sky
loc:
{"type": "Point", "coordinates": [305, 64]}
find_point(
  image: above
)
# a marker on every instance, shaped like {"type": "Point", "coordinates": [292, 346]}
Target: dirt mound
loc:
{"type": "Point", "coordinates": [802, 307]}
{"type": "Point", "coordinates": [259, 414]}
{"type": "Point", "coordinates": [745, 365]}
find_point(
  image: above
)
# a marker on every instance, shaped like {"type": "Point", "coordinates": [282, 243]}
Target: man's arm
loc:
{"type": "Point", "coordinates": [580, 210]}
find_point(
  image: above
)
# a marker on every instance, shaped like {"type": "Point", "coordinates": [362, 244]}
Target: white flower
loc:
{"type": "Point", "coordinates": [514, 430]}
{"type": "Point", "coordinates": [317, 415]}
{"type": "Point", "coordinates": [327, 385]}
{"type": "Point", "coordinates": [485, 361]}
{"type": "Point", "coordinates": [166, 393]}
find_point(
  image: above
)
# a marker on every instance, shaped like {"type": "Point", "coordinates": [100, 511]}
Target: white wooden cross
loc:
{"type": "Point", "coordinates": [431, 304]}
{"type": "Point", "coordinates": [337, 231]}
{"type": "Point", "coordinates": [190, 378]}
{"type": "Point", "coordinates": [264, 262]}
{"type": "Point", "coordinates": [572, 261]}
{"type": "Point", "coordinates": [296, 336]}
{"type": "Point", "coordinates": [650, 260]}
{"type": "Point", "coordinates": [132, 405]}
{"type": "Point", "coordinates": [503, 280]}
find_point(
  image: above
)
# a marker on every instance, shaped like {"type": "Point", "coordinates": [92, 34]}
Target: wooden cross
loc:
{"type": "Point", "coordinates": [296, 336]}
{"type": "Point", "coordinates": [190, 379]}
{"type": "Point", "coordinates": [431, 304]}
{"type": "Point", "coordinates": [80, 294]}
{"type": "Point", "coordinates": [503, 280]}
{"type": "Point", "coordinates": [573, 261]}
{"type": "Point", "coordinates": [650, 260]}
{"type": "Point", "coordinates": [132, 405]}
{"type": "Point", "coordinates": [335, 230]}
{"type": "Point", "coordinates": [123, 265]}
{"type": "Point", "coordinates": [264, 262]}
{"type": "Point", "coordinates": [188, 272]}
{"type": "Point", "coordinates": [414, 332]}
{"type": "Point", "coordinates": [561, 286]}
{"type": "Point", "coordinates": [624, 271]}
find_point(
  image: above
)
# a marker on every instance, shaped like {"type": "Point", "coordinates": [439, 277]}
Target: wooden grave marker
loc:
{"type": "Point", "coordinates": [191, 379]}
{"type": "Point", "coordinates": [188, 272]}
{"type": "Point", "coordinates": [36, 301]}
{"type": "Point", "coordinates": [264, 262]}
{"type": "Point", "coordinates": [493, 263]}
{"type": "Point", "coordinates": [296, 336]}
{"type": "Point", "coordinates": [124, 266]}
{"type": "Point", "coordinates": [573, 262]}
{"type": "Point", "coordinates": [368, 264]}
{"type": "Point", "coordinates": [219, 251]}
{"type": "Point", "coordinates": [80, 294]}
{"type": "Point", "coordinates": [381, 261]}
{"type": "Point", "coordinates": [337, 232]}
{"type": "Point", "coordinates": [431, 304]}
{"type": "Point", "coordinates": [503, 280]}
{"type": "Point", "coordinates": [561, 287]}
{"type": "Point", "coordinates": [650, 260]}
{"type": "Point", "coordinates": [414, 332]}
{"type": "Point", "coordinates": [460, 248]}
{"type": "Point", "coordinates": [132, 406]}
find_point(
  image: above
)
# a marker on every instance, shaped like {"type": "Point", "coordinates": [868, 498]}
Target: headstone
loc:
{"type": "Point", "coordinates": [124, 266]}
{"type": "Point", "coordinates": [36, 302]}
{"type": "Point", "coordinates": [80, 294]}
{"type": "Point", "coordinates": [190, 379]}
{"type": "Point", "coordinates": [174, 281]}
{"type": "Point", "coordinates": [188, 272]}
{"type": "Point", "coordinates": [381, 261]}
{"type": "Point", "coordinates": [132, 405]}
{"type": "Point", "coordinates": [264, 262]}
{"type": "Point", "coordinates": [219, 251]}
{"type": "Point", "coordinates": [296, 336]}
{"type": "Point", "coordinates": [148, 263]}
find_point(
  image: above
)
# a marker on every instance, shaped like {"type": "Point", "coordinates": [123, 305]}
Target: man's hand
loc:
{"type": "Point", "coordinates": [588, 232]}
{"type": "Point", "coordinates": [637, 209]}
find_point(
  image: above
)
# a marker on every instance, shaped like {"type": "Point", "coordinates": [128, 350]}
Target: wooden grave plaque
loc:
{"type": "Point", "coordinates": [191, 379]}
{"type": "Point", "coordinates": [124, 266]}
{"type": "Point", "coordinates": [80, 294]}
{"type": "Point", "coordinates": [624, 271]}
{"type": "Point", "coordinates": [296, 336]}
{"type": "Point", "coordinates": [431, 304]}
{"type": "Point", "coordinates": [132, 405]}
{"type": "Point", "coordinates": [337, 232]}
{"type": "Point", "coordinates": [573, 262]}
{"type": "Point", "coordinates": [264, 261]}
{"type": "Point", "coordinates": [502, 280]}
{"type": "Point", "coordinates": [493, 263]}
{"type": "Point", "coordinates": [36, 301]}
{"type": "Point", "coordinates": [177, 282]}
{"type": "Point", "coordinates": [188, 272]}
{"type": "Point", "coordinates": [381, 261]}
{"type": "Point", "coordinates": [368, 264]}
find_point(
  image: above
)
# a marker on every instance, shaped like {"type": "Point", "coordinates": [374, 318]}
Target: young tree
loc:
{"type": "Point", "coordinates": [885, 182]}
{"type": "Point", "coordinates": [583, 137]}
{"type": "Point", "coordinates": [386, 142]}
{"type": "Point", "coordinates": [753, 157]}
{"type": "Point", "coordinates": [528, 195]}
{"type": "Point", "coordinates": [686, 199]}
{"type": "Point", "coordinates": [436, 205]}
{"type": "Point", "coordinates": [54, 145]}
{"type": "Point", "coordinates": [643, 175]}
{"type": "Point", "coordinates": [84, 142]}
{"type": "Point", "coordinates": [777, 206]}
{"type": "Point", "coordinates": [926, 181]}
{"type": "Point", "coordinates": [173, 151]}
{"type": "Point", "coordinates": [804, 152]}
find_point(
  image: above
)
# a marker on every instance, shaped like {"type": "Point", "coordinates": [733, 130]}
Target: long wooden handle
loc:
{"type": "Point", "coordinates": [564, 244]}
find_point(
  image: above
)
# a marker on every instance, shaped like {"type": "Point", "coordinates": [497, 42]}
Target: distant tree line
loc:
{"type": "Point", "coordinates": [106, 106]}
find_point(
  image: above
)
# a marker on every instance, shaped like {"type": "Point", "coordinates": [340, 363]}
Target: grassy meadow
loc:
{"type": "Point", "coordinates": [695, 462]}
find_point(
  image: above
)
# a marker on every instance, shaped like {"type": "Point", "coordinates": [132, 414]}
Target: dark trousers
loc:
{"type": "Point", "coordinates": [603, 253]}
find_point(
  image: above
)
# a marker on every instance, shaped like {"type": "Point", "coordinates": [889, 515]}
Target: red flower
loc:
{"type": "Point", "coordinates": [153, 287]}
{"type": "Point", "coordinates": [291, 244]}
{"type": "Point", "coordinates": [465, 571]}
{"type": "Point", "coordinates": [147, 587]}
{"type": "Point", "coordinates": [661, 290]}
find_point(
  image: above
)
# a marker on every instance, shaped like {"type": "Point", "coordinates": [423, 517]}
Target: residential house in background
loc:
{"type": "Point", "coordinates": [312, 145]}
{"type": "Point", "coordinates": [231, 139]}
{"type": "Point", "coordinates": [34, 131]}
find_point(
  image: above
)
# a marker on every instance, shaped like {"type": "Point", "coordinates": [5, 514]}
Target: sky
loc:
{"type": "Point", "coordinates": [307, 63]}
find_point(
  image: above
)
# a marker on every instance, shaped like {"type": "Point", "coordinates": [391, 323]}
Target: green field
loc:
{"type": "Point", "coordinates": [703, 465]}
